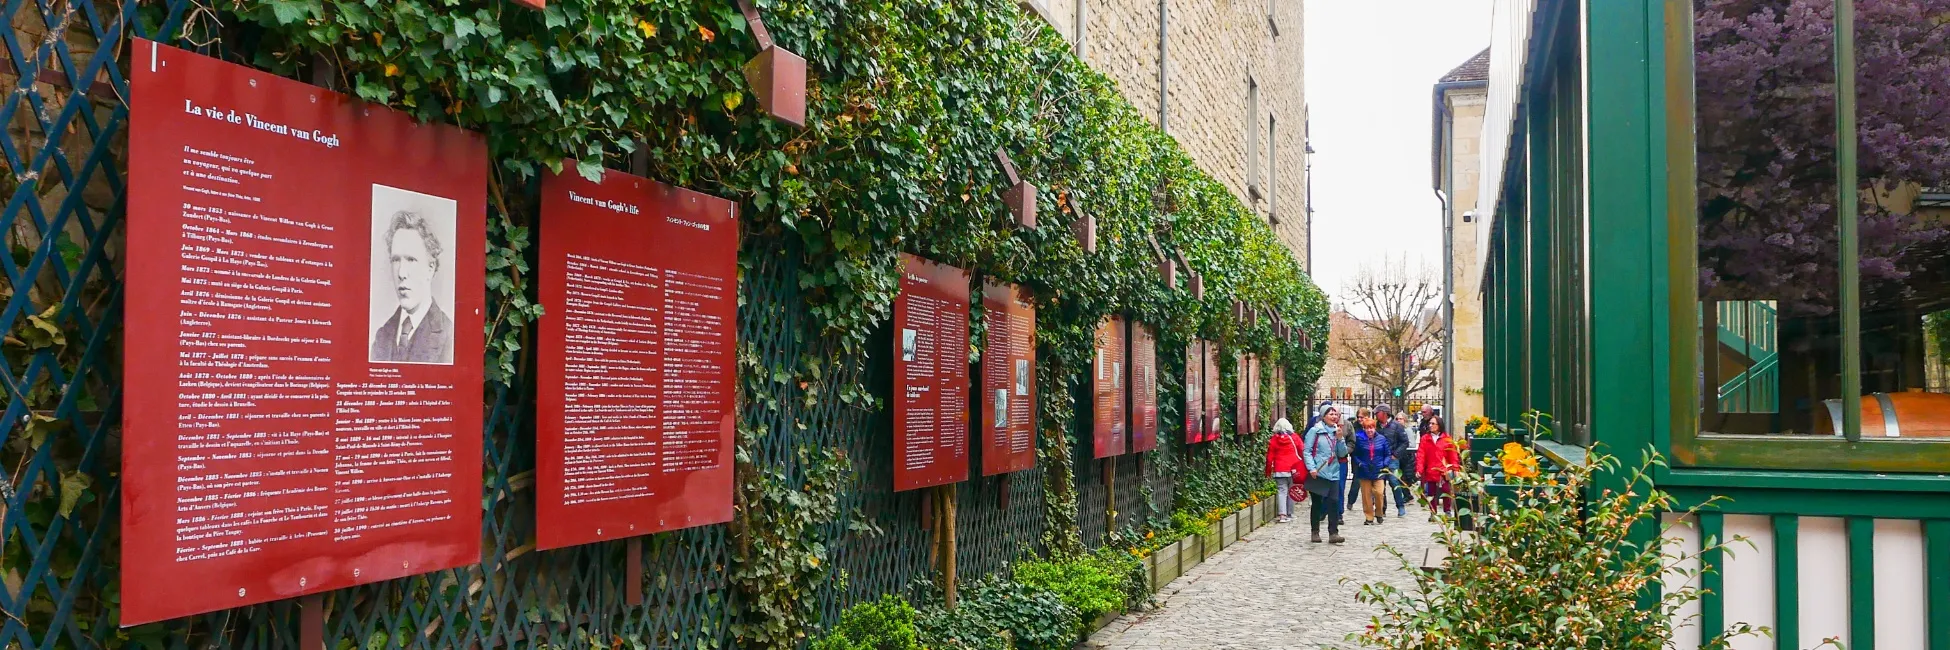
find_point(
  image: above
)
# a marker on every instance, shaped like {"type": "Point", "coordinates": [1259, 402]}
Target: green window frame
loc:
{"type": "Point", "coordinates": [1691, 447]}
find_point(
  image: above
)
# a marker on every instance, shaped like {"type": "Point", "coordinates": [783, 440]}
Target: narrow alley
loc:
{"type": "Point", "coordinates": [1274, 590]}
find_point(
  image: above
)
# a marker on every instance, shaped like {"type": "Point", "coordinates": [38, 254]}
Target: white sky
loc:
{"type": "Point", "coordinates": [1370, 67]}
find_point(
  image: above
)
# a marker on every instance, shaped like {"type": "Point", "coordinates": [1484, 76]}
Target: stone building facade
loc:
{"type": "Point", "coordinates": [1232, 80]}
{"type": "Point", "coordinates": [1460, 99]}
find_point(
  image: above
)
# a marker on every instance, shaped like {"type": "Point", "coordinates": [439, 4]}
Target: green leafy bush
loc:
{"type": "Point", "coordinates": [961, 628]}
{"type": "Point", "coordinates": [1548, 568]}
{"type": "Point", "coordinates": [1035, 618]}
{"type": "Point", "coordinates": [885, 624]}
{"type": "Point", "coordinates": [1093, 585]}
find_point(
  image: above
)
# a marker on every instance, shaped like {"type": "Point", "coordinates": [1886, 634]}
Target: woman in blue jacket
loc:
{"type": "Point", "coordinates": [1323, 449]}
{"type": "Point", "coordinates": [1370, 468]}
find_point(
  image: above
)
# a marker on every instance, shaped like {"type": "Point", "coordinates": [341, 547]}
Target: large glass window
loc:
{"type": "Point", "coordinates": [1821, 136]}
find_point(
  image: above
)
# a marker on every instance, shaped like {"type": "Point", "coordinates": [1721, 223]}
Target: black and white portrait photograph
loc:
{"type": "Point", "coordinates": [412, 282]}
{"type": "Point", "coordinates": [1022, 377]}
{"type": "Point", "coordinates": [907, 344]}
{"type": "Point", "coordinates": [1001, 408]}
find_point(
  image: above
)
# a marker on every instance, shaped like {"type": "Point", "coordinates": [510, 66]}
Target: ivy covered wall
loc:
{"type": "Point", "coordinates": [905, 108]}
{"type": "Point", "coordinates": [907, 102]}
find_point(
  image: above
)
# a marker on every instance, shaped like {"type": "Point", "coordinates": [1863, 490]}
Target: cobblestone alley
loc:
{"type": "Point", "coordinates": [1273, 590]}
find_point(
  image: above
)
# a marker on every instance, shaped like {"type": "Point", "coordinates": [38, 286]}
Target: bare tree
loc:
{"type": "Point", "coordinates": [1399, 339]}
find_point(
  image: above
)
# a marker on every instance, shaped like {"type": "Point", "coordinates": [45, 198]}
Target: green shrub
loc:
{"type": "Point", "coordinates": [885, 624]}
{"type": "Point", "coordinates": [961, 628]}
{"type": "Point", "coordinates": [1036, 618]}
{"type": "Point", "coordinates": [1557, 564]}
{"type": "Point", "coordinates": [1093, 585]}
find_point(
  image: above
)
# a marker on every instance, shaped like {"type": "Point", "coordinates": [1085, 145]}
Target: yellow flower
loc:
{"type": "Point", "coordinates": [392, 70]}
{"type": "Point", "coordinates": [706, 34]}
{"type": "Point", "coordinates": [649, 29]}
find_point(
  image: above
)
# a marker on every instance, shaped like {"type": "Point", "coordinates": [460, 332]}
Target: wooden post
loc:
{"type": "Point", "coordinates": [1110, 495]}
{"type": "Point", "coordinates": [947, 545]}
{"type": "Point", "coordinates": [633, 571]}
{"type": "Point", "coordinates": [311, 622]}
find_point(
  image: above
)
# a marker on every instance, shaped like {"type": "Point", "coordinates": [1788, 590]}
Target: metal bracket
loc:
{"type": "Point", "coordinates": [1008, 166]}
{"type": "Point", "coordinates": [777, 76]}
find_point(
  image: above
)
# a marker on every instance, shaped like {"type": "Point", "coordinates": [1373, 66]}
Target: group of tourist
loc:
{"type": "Point", "coordinates": [1361, 459]}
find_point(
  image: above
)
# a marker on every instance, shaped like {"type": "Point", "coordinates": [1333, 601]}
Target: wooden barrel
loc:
{"type": "Point", "coordinates": [1914, 414]}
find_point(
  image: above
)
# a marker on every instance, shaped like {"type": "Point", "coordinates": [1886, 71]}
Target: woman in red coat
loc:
{"type": "Point", "coordinates": [1282, 463]}
{"type": "Point", "coordinates": [1434, 463]}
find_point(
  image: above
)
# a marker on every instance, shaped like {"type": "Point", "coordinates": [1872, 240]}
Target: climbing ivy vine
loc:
{"type": "Point", "coordinates": [907, 102]}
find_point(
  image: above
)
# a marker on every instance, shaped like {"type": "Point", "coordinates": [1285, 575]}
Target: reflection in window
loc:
{"type": "Point", "coordinates": [1903, 106]}
{"type": "Point", "coordinates": [1770, 307]}
{"type": "Point", "coordinates": [1769, 252]}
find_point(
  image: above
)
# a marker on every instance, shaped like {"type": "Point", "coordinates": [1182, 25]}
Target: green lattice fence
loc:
{"type": "Point", "coordinates": [65, 151]}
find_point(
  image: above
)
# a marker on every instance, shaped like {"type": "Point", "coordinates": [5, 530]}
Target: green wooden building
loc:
{"type": "Point", "coordinates": [1720, 230]}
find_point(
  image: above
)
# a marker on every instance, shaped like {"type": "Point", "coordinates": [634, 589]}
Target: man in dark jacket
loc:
{"type": "Point", "coordinates": [1398, 441]}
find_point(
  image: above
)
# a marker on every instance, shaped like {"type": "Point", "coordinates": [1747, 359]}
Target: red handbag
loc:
{"type": "Point", "coordinates": [1297, 492]}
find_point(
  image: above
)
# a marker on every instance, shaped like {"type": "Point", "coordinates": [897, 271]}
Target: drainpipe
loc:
{"type": "Point", "coordinates": [1164, 64]}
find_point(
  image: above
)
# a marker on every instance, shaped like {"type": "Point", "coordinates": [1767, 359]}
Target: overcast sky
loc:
{"type": "Point", "coordinates": [1370, 67]}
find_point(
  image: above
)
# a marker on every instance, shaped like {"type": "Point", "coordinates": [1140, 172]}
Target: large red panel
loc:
{"type": "Point", "coordinates": [930, 375]}
{"type": "Point", "coordinates": [303, 362]}
{"type": "Point", "coordinates": [1107, 389]}
{"type": "Point", "coordinates": [634, 425]}
{"type": "Point", "coordinates": [1143, 380]}
{"type": "Point", "coordinates": [1195, 391]}
{"type": "Point", "coordinates": [1008, 380]}
{"type": "Point", "coordinates": [1213, 418]}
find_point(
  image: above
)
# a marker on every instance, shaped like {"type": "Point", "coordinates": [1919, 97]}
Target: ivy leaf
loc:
{"type": "Point", "coordinates": [74, 485]}
{"type": "Point", "coordinates": [590, 169]}
{"type": "Point", "coordinates": [293, 11]}
{"type": "Point", "coordinates": [732, 100]}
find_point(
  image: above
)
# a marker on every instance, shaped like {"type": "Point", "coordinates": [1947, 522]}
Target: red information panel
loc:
{"type": "Point", "coordinates": [1195, 391]}
{"type": "Point", "coordinates": [1213, 419]}
{"type": "Point", "coordinates": [1107, 390]}
{"type": "Point", "coordinates": [1143, 380]}
{"type": "Point", "coordinates": [303, 408]}
{"type": "Point", "coordinates": [930, 375]}
{"type": "Point", "coordinates": [634, 421]}
{"type": "Point", "coordinates": [1008, 380]}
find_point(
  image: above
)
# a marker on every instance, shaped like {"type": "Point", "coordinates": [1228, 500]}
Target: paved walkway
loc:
{"type": "Point", "coordinates": [1274, 590]}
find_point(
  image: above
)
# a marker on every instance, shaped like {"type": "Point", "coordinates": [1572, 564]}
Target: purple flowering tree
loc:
{"type": "Point", "coordinates": [1764, 73]}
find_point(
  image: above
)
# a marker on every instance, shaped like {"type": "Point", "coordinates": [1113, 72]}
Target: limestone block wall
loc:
{"type": "Point", "coordinates": [1466, 108]}
{"type": "Point", "coordinates": [1215, 50]}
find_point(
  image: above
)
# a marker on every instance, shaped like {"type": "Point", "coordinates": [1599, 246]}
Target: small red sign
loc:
{"type": "Point", "coordinates": [634, 421]}
{"type": "Point", "coordinates": [1108, 388]}
{"type": "Point", "coordinates": [304, 340]}
{"type": "Point", "coordinates": [930, 375]}
{"type": "Point", "coordinates": [1143, 380]}
{"type": "Point", "coordinates": [1008, 380]}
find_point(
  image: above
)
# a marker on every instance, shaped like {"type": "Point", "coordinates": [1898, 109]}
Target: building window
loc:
{"type": "Point", "coordinates": [1272, 169]}
{"type": "Point", "coordinates": [1273, 16]}
{"type": "Point", "coordinates": [1820, 298]}
{"type": "Point", "coordinates": [1252, 139]}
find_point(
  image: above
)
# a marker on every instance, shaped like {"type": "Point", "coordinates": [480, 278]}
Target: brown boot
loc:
{"type": "Point", "coordinates": [1337, 539]}
{"type": "Point", "coordinates": [1316, 537]}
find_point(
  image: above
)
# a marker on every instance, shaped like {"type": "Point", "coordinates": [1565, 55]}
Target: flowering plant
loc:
{"type": "Point", "coordinates": [1518, 462]}
{"type": "Point", "coordinates": [1564, 566]}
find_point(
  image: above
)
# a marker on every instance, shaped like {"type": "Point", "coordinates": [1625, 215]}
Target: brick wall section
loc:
{"type": "Point", "coordinates": [1215, 46]}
